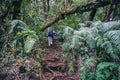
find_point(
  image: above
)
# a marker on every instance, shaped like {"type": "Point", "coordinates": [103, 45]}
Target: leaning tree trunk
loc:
{"type": "Point", "coordinates": [79, 9]}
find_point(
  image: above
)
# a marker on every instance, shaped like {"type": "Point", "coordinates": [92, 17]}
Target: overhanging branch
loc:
{"type": "Point", "coordinates": [79, 9]}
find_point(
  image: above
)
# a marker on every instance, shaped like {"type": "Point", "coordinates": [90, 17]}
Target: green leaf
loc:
{"type": "Point", "coordinates": [29, 43]}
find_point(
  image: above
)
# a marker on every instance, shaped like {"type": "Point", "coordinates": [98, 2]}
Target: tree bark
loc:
{"type": "Point", "coordinates": [66, 4]}
{"type": "Point", "coordinates": [79, 9]}
{"type": "Point", "coordinates": [111, 12]}
{"type": "Point", "coordinates": [16, 5]}
{"type": "Point", "coordinates": [48, 5]}
{"type": "Point", "coordinates": [92, 14]}
{"type": "Point", "coordinates": [44, 5]}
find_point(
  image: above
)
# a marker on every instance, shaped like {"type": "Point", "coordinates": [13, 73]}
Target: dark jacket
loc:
{"type": "Point", "coordinates": [52, 34]}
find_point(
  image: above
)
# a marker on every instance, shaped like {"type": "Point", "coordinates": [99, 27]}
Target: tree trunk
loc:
{"type": "Point", "coordinates": [79, 62]}
{"type": "Point", "coordinates": [44, 5]}
{"type": "Point", "coordinates": [92, 14]}
{"type": "Point", "coordinates": [16, 5]}
{"type": "Point", "coordinates": [66, 4]}
{"type": "Point", "coordinates": [48, 5]}
{"type": "Point", "coordinates": [111, 12]}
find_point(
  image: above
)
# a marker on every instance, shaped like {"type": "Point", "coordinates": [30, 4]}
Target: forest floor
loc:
{"type": "Point", "coordinates": [55, 68]}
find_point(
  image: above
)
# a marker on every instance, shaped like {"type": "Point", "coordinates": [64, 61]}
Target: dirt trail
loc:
{"type": "Point", "coordinates": [54, 66]}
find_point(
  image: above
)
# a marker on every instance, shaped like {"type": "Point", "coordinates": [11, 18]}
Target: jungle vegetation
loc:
{"type": "Point", "coordinates": [88, 38]}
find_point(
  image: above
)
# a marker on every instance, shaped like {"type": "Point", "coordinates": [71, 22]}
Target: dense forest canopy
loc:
{"type": "Point", "coordinates": [87, 45]}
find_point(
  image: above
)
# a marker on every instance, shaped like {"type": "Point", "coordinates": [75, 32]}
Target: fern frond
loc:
{"type": "Point", "coordinates": [114, 37]}
{"type": "Point", "coordinates": [84, 35]}
{"type": "Point", "coordinates": [88, 68]}
{"type": "Point", "coordinates": [90, 62]}
{"type": "Point", "coordinates": [29, 36]}
{"type": "Point", "coordinates": [107, 71]}
{"type": "Point", "coordinates": [68, 31]}
{"type": "Point", "coordinates": [112, 25]}
{"type": "Point", "coordinates": [29, 43]}
{"type": "Point", "coordinates": [107, 38]}
{"type": "Point", "coordinates": [17, 23]}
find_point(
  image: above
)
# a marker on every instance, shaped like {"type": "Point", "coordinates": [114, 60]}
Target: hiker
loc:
{"type": "Point", "coordinates": [51, 36]}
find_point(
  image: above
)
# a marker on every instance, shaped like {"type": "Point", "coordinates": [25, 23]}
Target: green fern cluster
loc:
{"type": "Point", "coordinates": [23, 35]}
{"type": "Point", "coordinates": [107, 71]}
{"type": "Point", "coordinates": [101, 35]}
{"type": "Point", "coordinates": [102, 71]}
{"type": "Point", "coordinates": [99, 42]}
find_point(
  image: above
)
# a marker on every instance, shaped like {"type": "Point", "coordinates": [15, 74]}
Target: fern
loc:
{"type": "Point", "coordinates": [68, 32]}
{"type": "Point", "coordinates": [82, 36]}
{"type": "Point", "coordinates": [103, 38]}
{"type": "Point", "coordinates": [87, 36]}
{"type": "Point", "coordinates": [112, 25]}
{"type": "Point", "coordinates": [103, 71]}
{"type": "Point", "coordinates": [17, 24]}
{"type": "Point", "coordinates": [21, 31]}
{"type": "Point", "coordinates": [107, 71]}
{"type": "Point", "coordinates": [114, 37]}
{"type": "Point", "coordinates": [88, 68]}
{"type": "Point", "coordinates": [29, 43]}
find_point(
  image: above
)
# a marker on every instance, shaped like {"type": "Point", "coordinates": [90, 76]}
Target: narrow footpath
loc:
{"type": "Point", "coordinates": [54, 66]}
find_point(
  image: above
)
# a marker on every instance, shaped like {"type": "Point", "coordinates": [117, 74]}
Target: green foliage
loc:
{"type": "Point", "coordinates": [18, 25]}
{"type": "Point", "coordinates": [101, 40]}
{"type": "Point", "coordinates": [30, 12]}
{"type": "Point", "coordinates": [29, 43]}
{"type": "Point", "coordinates": [78, 2]}
{"type": "Point", "coordinates": [99, 14]}
{"type": "Point", "coordinates": [114, 37]}
{"type": "Point", "coordinates": [107, 71]}
{"type": "Point", "coordinates": [100, 35]}
{"type": "Point", "coordinates": [88, 68]}
{"type": "Point", "coordinates": [103, 71]}
{"type": "Point", "coordinates": [22, 31]}
{"type": "Point", "coordinates": [72, 21]}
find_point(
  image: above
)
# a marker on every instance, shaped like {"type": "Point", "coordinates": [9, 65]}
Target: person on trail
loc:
{"type": "Point", "coordinates": [51, 35]}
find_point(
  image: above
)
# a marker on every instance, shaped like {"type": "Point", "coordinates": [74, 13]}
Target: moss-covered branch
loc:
{"type": "Point", "coordinates": [79, 9]}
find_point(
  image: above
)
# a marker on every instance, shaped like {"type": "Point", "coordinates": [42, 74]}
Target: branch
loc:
{"type": "Point", "coordinates": [79, 9]}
